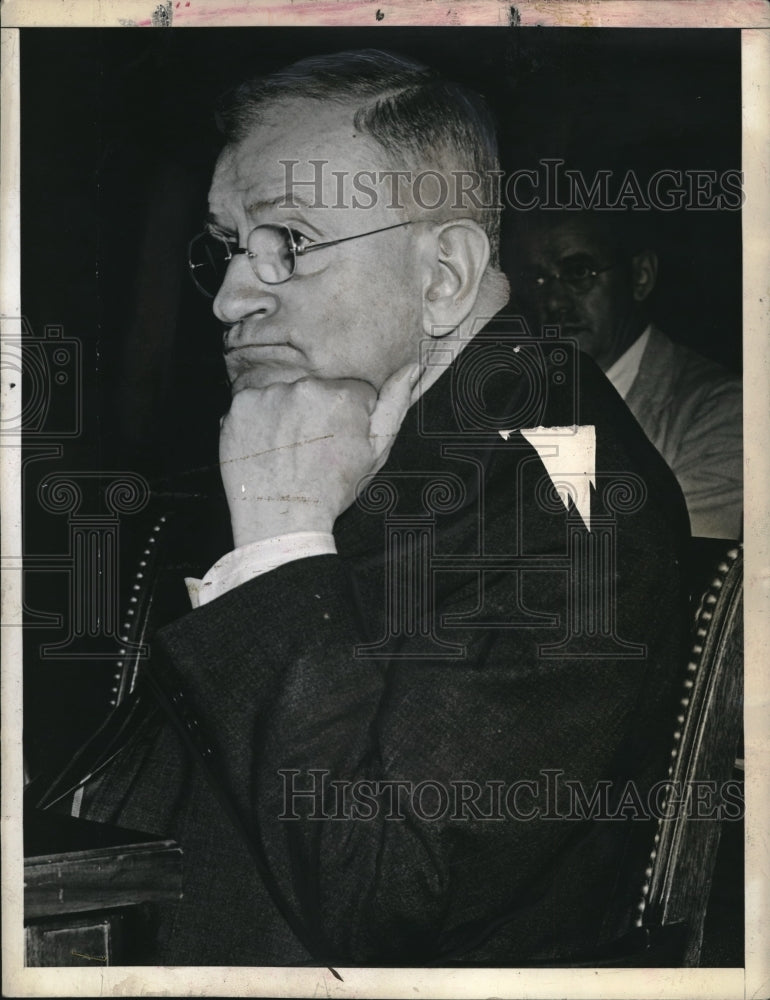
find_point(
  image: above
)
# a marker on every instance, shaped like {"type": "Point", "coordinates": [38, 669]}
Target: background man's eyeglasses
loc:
{"type": "Point", "coordinates": [272, 251]}
{"type": "Point", "coordinates": [578, 277]}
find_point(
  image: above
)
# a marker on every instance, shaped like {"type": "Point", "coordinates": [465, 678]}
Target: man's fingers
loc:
{"type": "Point", "coordinates": [393, 402]}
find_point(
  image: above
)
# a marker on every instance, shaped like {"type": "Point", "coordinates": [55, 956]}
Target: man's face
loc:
{"type": "Point", "coordinates": [351, 311]}
{"type": "Point", "coordinates": [602, 316]}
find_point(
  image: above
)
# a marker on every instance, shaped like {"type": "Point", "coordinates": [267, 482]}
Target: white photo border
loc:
{"type": "Point", "coordinates": [753, 18]}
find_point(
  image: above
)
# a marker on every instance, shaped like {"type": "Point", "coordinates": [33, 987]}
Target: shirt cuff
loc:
{"type": "Point", "coordinates": [252, 560]}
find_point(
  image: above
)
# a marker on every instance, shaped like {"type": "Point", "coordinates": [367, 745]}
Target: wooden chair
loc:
{"type": "Point", "coordinates": [678, 878]}
{"type": "Point", "coordinates": [673, 897]}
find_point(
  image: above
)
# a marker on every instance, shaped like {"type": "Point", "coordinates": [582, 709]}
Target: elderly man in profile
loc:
{"type": "Point", "coordinates": [593, 273]}
{"type": "Point", "coordinates": [388, 664]}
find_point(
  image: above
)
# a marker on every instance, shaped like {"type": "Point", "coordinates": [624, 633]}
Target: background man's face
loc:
{"type": "Point", "coordinates": [350, 311]}
{"type": "Point", "coordinates": [602, 319]}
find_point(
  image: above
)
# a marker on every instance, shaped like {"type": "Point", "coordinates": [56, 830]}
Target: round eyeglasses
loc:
{"type": "Point", "coordinates": [271, 250]}
{"type": "Point", "coordinates": [578, 276]}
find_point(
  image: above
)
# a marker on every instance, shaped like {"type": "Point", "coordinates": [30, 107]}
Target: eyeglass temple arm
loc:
{"type": "Point", "coordinates": [344, 239]}
{"type": "Point", "coordinates": [320, 246]}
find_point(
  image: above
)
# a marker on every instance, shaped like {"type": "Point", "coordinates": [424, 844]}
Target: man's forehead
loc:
{"type": "Point", "coordinates": [568, 237]}
{"type": "Point", "coordinates": [284, 145]}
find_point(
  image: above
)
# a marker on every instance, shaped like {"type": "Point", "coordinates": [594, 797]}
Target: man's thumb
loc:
{"type": "Point", "coordinates": [392, 403]}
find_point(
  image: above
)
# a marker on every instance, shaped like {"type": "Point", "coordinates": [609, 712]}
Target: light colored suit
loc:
{"type": "Point", "coordinates": [692, 411]}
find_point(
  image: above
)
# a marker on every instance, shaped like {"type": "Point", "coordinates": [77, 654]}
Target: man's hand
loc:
{"type": "Point", "coordinates": [293, 454]}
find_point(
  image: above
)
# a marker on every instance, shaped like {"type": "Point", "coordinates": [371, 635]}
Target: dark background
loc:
{"type": "Point", "coordinates": [118, 142]}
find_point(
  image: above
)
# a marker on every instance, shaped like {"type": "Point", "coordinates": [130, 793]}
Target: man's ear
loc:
{"type": "Point", "coordinates": [457, 256]}
{"type": "Point", "coordinates": [644, 274]}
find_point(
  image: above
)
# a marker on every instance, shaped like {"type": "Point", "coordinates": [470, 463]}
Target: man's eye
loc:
{"type": "Point", "coordinates": [577, 272]}
{"type": "Point", "coordinates": [300, 240]}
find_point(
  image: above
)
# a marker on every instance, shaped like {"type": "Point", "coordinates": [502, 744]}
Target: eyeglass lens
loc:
{"type": "Point", "coordinates": [208, 257]}
{"type": "Point", "coordinates": [270, 254]}
{"type": "Point", "coordinates": [578, 277]}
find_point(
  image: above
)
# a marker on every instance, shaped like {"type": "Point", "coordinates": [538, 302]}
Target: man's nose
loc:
{"type": "Point", "coordinates": [242, 294]}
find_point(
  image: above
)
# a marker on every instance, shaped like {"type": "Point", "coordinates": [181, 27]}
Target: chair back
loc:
{"type": "Point", "coordinates": [708, 728]}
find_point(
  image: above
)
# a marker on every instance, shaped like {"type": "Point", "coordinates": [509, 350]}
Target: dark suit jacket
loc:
{"type": "Point", "coordinates": [469, 630]}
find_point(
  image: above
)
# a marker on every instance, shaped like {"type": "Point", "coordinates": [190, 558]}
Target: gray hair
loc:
{"type": "Point", "coordinates": [419, 118]}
